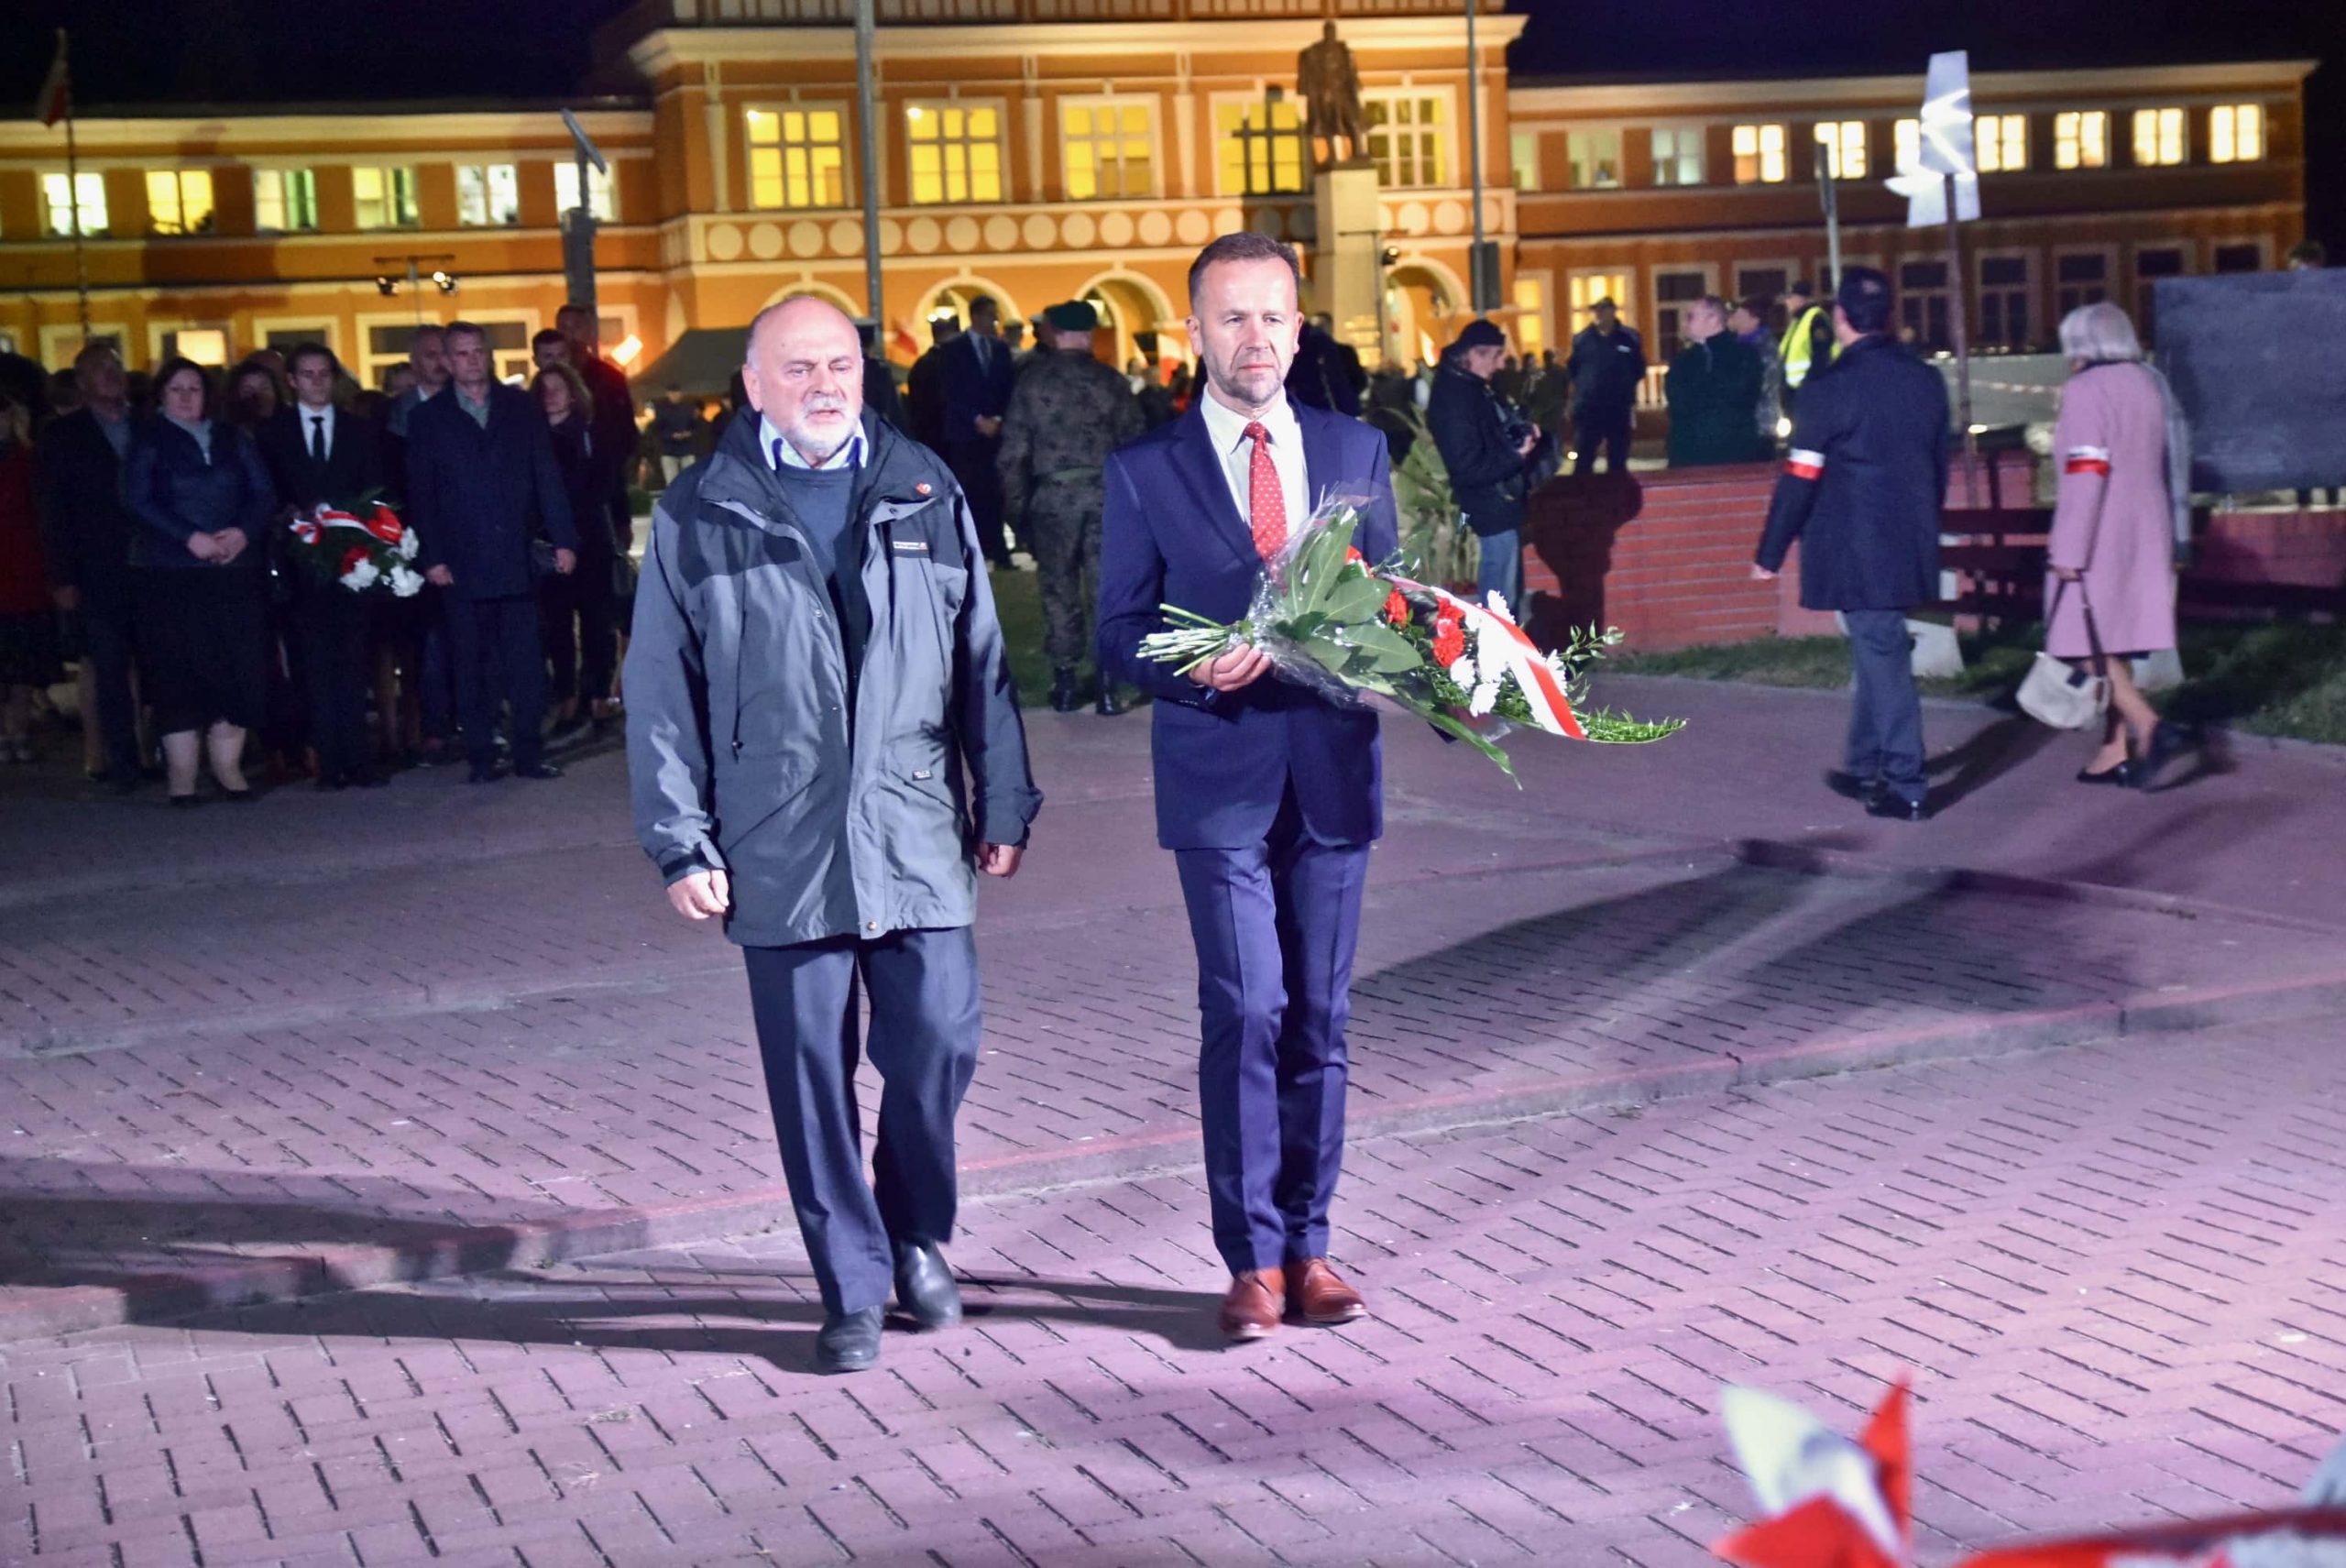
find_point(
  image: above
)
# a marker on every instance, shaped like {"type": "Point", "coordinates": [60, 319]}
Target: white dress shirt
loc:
{"type": "Point", "coordinates": [309, 417]}
{"type": "Point", "coordinates": [1226, 428]}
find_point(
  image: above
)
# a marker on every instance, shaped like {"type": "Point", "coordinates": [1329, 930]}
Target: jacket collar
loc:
{"type": "Point", "coordinates": [896, 472]}
{"type": "Point", "coordinates": [1195, 459]}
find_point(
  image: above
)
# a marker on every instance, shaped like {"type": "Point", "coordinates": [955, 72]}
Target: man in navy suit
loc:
{"type": "Point", "coordinates": [1267, 795]}
{"type": "Point", "coordinates": [979, 375]}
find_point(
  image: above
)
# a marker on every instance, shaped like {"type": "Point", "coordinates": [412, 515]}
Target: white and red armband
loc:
{"type": "Point", "coordinates": [2087, 460]}
{"type": "Point", "coordinates": [1805, 464]}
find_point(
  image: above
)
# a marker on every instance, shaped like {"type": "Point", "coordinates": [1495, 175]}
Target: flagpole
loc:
{"type": "Point", "coordinates": [73, 192]}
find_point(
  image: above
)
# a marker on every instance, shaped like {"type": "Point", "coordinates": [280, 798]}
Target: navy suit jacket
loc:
{"type": "Point", "coordinates": [1225, 760]}
{"type": "Point", "coordinates": [478, 496]}
{"type": "Point", "coordinates": [970, 391]}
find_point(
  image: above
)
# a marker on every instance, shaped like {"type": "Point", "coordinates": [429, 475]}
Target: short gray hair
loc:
{"type": "Point", "coordinates": [2100, 334]}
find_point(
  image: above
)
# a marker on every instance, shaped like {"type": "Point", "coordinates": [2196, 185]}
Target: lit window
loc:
{"type": "Point", "coordinates": [2235, 133]}
{"type": "Point", "coordinates": [2001, 142]}
{"type": "Point", "coordinates": [1523, 157]}
{"type": "Point", "coordinates": [1678, 155]}
{"type": "Point", "coordinates": [487, 195]}
{"type": "Point", "coordinates": [1587, 287]}
{"type": "Point", "coordinates": [1405, 139]}
{"type": "Point", "coordinates": [1906, 141]}
{"type": "Point", "coordinates": [384, 197]}
{"type": "Point", "coordinates": [1845, 148]}
{"type": "Point", "coordinates": [1531, 316]}
{"type": "Point", "coordinates": [1261, 147]}
{"type": "Point", "coordinates": [285, 200]}
{"type": "Point", "coordinates": [1109, 149]}
{"type": "Point", "coordinates": [1760, 154]}
{"type": "Point", "coordinates": [797, 156]}
{"type": "Point", "coordinates": [1593, 160]}
{"type": "Point", "coordinates": [2081, 139]}
{"type": "Point", "coordinates": [956, 152]}
{"type": "Point", "coordinates": [598, 192]}
{"type": "Point", "coordinates": [179, 200]}
{"type": "Point", "coordinates": [81, 208]}
{"type": "Point", "coordinates": [2158, 136]}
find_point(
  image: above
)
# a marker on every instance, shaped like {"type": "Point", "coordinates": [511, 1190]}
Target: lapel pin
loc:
{"type": "Point", "coordinates": [921, 488]}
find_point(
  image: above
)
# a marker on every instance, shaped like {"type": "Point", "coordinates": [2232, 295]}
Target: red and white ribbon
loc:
{"type": "Point", "coordinates": [1499, 642]}
{"type": "Point", "coordinates": [1805, 465]}
{"type": "Point", "coordinates": [2087, 460]}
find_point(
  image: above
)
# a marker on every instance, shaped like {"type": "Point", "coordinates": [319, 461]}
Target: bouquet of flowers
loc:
{"type": "Point", "coordinates": [364, 549]}
{"type": "Point", "coordinates": [1332, 621]}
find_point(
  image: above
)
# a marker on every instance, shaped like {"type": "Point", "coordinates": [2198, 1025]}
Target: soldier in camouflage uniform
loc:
{"type": "Point", "coordinates": [1069, 413]}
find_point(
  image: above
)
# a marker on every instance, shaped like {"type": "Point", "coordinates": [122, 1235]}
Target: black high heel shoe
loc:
{"type": "Point", "coordinates": [2125, 775]}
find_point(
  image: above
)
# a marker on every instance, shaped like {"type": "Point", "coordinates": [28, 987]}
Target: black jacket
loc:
{"type": "Point", "coordinates": [584, 479]}
{"type": "Point", "coordinates": [86, 526]}
{"type": "Point", "coordinates": [1326, 374]}
{"type": "Point", "coordinates": [355, 463]}
{"type": "Point", "coordinates": [1489, 478]}
{"type": "Point", "coordinates": [1606, 367]}
{"type": "Point", "coordinates": [1866, 482]}
{"type": "Point", "coordinates": [1714, 389]}
{"type": "Point", "coordinates": [478, 496]}
{"type": "Point", "coordinates": [179, 490]}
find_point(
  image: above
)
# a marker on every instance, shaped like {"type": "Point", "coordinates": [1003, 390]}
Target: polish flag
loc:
{"type": "Point", "coordinates": [56, 89]}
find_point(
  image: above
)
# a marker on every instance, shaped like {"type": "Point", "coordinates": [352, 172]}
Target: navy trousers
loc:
{"type": "Point", "coordinates": [1275, 924]}
{"type": "Point", "coordinates": [1885, 717]}
{"type": "Point", "coordinates": [1611, 428]}
{"type": "Point", "coordinates": [337, 673]}
{"type": "Point", "coordinates": [493, 644]}
{"type": "Point", "coordinates": [109, 638]}
{"type": "Point", "coordinates": [923, 1041]}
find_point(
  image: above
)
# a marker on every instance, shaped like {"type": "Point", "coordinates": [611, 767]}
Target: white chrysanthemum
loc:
{"type": "Point", "coordinates": [1484, 698]}
{"type": "Point", "coordinates": [405, 583]}
{"type": "Point", "coordinates": [408, 546]}
{"type": "Point", "coordinates": [1497, 604]}
{"type": "Point", "coordinates": [1463, 670]}
{"type": "Point", "coordinates": [362, 575]}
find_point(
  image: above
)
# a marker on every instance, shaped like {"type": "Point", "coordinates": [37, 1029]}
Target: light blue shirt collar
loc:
{"type": "Point", "coordinates": [773, 443]}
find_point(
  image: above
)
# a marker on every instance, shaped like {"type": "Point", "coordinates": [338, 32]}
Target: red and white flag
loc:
{"type": "Point", "coordinates": [56, 94]}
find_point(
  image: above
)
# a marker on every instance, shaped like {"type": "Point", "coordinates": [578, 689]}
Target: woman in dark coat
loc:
{"type": "Point", "coordinates": [575, 609]}
{"type": "Point", "coordinates": [204, 500]}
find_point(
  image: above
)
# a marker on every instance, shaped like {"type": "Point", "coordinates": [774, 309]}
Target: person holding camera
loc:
{"type": "Point", "coordinates": [1496, 456]}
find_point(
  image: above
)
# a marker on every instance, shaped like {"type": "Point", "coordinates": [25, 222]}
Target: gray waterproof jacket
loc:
{"type": "Point", "coordinates": [741, 750]}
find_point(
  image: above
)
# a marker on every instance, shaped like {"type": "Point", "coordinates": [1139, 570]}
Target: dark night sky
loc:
{"type": "Point", "coordinates": [148, 51]}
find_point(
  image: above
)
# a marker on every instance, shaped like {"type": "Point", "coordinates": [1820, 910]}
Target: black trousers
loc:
{"type": "Point", "coordinates": [109, 619]}
{"type": "Point", "coordinates": [337, 668]}
{"type": "Point", "coordinates": [924, 1043]}
{"type": "Point", "coordinates": [493, 645]}
{"type": "Point", "coordinates": [972, 462]}
{"type": "Point", "coordinates": [581, 626]}
{"type": "Point", "coordinates": [1885, 716]}
{"type": "Point", "coordinates": [1609, 428]}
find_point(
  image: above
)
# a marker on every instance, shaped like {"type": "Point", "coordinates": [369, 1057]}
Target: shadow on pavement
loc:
{"type": "Point", "coordinates": [2002, 746]}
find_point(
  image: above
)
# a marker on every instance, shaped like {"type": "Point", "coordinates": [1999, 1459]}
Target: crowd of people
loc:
{"type": "Point", "coordinates": [145, 528]}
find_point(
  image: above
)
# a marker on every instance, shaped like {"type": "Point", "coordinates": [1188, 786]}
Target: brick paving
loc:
{"type": "Point", "coordinates": [2117, 1273]}
{"type": "Point", "coordinates": [254, 1056]}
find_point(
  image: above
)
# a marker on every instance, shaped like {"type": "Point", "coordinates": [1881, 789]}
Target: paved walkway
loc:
{"type": "Point", "coordinates": [252, 1056]}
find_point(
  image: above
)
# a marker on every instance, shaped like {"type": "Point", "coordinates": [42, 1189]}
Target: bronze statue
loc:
{"type": "Point", "coordinates": [1330, 88]}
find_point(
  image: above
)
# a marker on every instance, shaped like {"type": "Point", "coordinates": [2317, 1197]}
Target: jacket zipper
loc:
{"type": "Point", "coordinates": [792, 531]}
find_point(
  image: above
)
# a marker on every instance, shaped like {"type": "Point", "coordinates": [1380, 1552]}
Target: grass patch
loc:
{"type": "Point", "coordinates": [2287, 681]}
{"type": "Point", "coordinates": [1018, 603]}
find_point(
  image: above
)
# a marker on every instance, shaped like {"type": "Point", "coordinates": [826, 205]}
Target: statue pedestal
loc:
{"type": "Point", "coordinates": [1346, 232]}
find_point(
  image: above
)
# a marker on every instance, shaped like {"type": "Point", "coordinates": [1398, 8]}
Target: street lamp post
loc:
{"type": "Point", "coordinates": [868, 141]}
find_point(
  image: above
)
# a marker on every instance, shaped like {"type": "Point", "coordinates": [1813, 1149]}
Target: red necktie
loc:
{"type": "Point", "coordinates": [1266, 501]}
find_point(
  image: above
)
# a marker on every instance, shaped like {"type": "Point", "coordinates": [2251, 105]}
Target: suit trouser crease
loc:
{"type": "Point", "coordinates": [494, 647]}
{"type": "Point", "coordinates": [336, 670]}
{"type": "Point", "coordinates": [923, 1042]}
{"type": "Point", "coordinates": [109, 640]}
{"type": "Point", "coordinates": [1275, 926]}
{"type": "Point", "coordinates": [1885, 712]}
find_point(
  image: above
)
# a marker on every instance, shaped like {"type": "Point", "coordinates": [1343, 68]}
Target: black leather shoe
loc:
{"type": "Point", "coordinates": [925, 1286]}
{"type": "Point", "coordinates": [1865, 791]}
{"type": "Point", "coordinates": [371, 778]}
{"type": "Point", "coordinates": [849, 1342]}
{"type": "Point", "coordinates": [1063, 697]}
{"type": "Point", "coordinates": [2123, 774]}
{"type": "Point", "coordinates": [536, 771]}
{"type": "Point", "coordinates": [1108, 705]}
{"type": "Point", "coordinates": [483, 772]}
{"type": "Point", "coordinates": [329, 782]}
{"type": "Point", "coordinates": [1897, 808]}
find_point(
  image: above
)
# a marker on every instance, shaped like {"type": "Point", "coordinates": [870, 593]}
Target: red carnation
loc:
{"type": "Point", "coordinates": [1449, 640]}
{"type": "Point", "coordinates": [1352, 555]}
{"type": "Point", "coordinates": [352, 558]}
{"type": "Point", "coordinates": [1397, 608]}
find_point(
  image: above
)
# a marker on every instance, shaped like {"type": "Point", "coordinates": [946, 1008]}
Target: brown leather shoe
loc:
{"type": "Point", "coordinates": [1317, 1294]}
{"type": "Point", "coordinates": [1251, 1311]}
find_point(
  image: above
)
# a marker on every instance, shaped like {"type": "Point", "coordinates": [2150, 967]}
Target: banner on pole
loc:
{"type": "Point", "coordinates": [1943, 145]}
{"type": "Point", "coordinates": [56, 96]}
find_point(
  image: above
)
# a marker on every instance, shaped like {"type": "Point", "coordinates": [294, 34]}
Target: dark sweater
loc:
{"type": "Point", "coordinates": [822, 503]}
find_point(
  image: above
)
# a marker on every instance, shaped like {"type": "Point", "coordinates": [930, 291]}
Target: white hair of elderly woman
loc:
{"type": "Point", "coordinates": [2099, 334]}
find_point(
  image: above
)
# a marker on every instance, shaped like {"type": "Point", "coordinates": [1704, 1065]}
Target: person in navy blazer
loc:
{"type": "Point", "coordinates": [979, 376]}
{"type": "Point", "coordinates": [481, 483]}
{"type": "Point", "coordinates": [1267, 794]}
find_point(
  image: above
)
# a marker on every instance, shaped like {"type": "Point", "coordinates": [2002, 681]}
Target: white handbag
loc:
{"type": "Point", "coordinates": [2060, 694]}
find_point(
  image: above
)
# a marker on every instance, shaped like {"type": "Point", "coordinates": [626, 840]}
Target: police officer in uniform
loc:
{"type": "Point", "coordinates": [1808, 342]}
{"type": "Point", "coordinates": [1862, 492]}
{"type": "Point", "coordinates": [1069, 411]}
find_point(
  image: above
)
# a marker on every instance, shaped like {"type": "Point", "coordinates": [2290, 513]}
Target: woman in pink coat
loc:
{"type": "Point", "coordinates": [2125, 498]}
